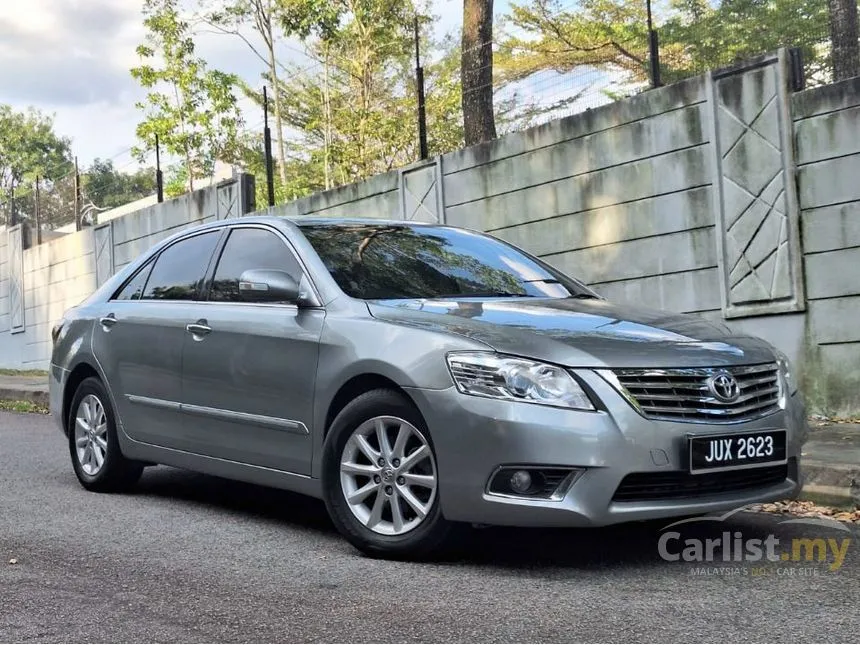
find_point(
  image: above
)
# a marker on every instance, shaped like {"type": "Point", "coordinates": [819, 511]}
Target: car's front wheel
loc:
{"type": "Point", "coordinates": [93, 444]}
{"type": "Point", "coordinates": [380, 481]}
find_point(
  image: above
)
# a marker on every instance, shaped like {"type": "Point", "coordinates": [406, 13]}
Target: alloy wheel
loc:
{"type": "Point", "coordinates": [91, 439]}
{"type": "Point", "coordinates": [388, 475]}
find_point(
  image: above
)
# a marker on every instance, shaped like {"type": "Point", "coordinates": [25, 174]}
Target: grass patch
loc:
{"type": "Point", "coordinates": [5, 372]}
{"type": "Point", "coordinates": [23, 406]}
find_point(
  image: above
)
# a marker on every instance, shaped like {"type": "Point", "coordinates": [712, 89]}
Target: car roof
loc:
{"type": "Point", "coordinates": [311, 220]}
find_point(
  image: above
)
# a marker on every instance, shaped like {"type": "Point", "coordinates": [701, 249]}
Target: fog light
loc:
{"type": "Point", "coordinates": [521, 481]}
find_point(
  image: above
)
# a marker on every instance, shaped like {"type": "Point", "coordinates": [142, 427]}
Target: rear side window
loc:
{"type": "Point", "coordinates": [246, 249]}
{"type": "Point", "coordinates": [180, 269]}
{"type": "Point", "coordinates": [133, 289]}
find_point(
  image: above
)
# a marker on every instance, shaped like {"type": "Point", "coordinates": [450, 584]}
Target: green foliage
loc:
{"type": "Point", "coordinates": [321, 18]}
{"type": "Point", "coordinates": [610, 34]}
{"type": "Point", "coordinates": [354, 113]}
{"type": "Point", "coordinates": [740, 29]}
{"type": "Point", "coordinates": [106, 187]}
{"type": "Point", "coordinates": [191, 108]}
{"type": "Point", "coordinates": [29, 147]}
{"type": "Point", "coordinates": [23, 407]}
{"type": "Point", "coordinates": [695, 35]}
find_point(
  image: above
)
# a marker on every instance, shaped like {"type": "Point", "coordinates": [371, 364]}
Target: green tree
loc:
{"type": "Point", "coordinates": [191, 108]}
{"type": "Point", "coordinates": [695, 35]}
{"type": "Point", "coordinates": [235, 18]}
{"type": "Point", "coordinates": [356, 109]}
{"type": "Point", "coordinates": [29, 148]}
{"type": "Point", "coordinates": [711, 37]}
{"type": "Point", "coordinates": [105, 187]}
{"type": "Point", "coordinates": [353, 114]}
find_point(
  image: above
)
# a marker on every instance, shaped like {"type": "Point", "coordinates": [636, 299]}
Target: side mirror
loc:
{"type": "Point", "coordinates": [267, 285]}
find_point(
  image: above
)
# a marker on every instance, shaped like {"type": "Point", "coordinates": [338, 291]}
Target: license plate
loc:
{"type": "Point", "coordinates": [709, 453]}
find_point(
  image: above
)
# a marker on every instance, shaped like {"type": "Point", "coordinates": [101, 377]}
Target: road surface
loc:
{"type": "Point", "coordinates": [188, 557]}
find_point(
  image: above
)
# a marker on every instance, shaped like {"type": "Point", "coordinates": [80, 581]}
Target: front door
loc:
{"type": "Point", "coordinates": [249, 368]}
{"type": "Point", "coordinates": [139, 337]}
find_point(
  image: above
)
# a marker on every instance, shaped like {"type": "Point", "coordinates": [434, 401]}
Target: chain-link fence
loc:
{"type": "Point", "coordinates": [567, 56]}
{"type": "Point", "coordinates": [73, 200]}
{"type": "Point", "coordinates": [45, 205]}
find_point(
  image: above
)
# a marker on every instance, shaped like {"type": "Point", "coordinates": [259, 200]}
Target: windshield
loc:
{"type": "Point", "coordinates": [379, 261]}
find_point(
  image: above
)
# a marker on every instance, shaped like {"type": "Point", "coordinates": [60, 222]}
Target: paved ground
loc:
{"type": "Point", "coordinates": [194, 558]}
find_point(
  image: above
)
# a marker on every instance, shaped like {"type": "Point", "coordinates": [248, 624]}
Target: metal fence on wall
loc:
{"type": "Point", "coordinates": [42, 204]}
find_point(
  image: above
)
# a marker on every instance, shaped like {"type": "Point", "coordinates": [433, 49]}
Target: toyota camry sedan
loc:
{"type": "Point", "coordinates": [416, 378]}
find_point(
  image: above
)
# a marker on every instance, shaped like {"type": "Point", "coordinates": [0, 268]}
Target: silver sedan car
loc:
{"type": "Point", "coordinates": [416, 378]}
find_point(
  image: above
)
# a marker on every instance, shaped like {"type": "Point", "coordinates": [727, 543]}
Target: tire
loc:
{"type": "Point", "coordinates": [115, 473]}
{"type": "Point", "coordinates": [417, 537]}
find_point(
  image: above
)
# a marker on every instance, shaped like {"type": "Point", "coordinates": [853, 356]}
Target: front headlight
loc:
{"type": "Point", "coordinates": [516, 379]}
{"type": "Point", "coordinates": [786, 372]}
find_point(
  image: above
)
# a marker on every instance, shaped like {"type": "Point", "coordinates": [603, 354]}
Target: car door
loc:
{"type": "Point", "coordinates": [248, 372]}
{"type": "Point", "coordinates": [139, 338]}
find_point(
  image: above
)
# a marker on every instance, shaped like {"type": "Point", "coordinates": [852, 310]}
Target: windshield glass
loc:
{"type": "Point", "coordinates": [378, 261]}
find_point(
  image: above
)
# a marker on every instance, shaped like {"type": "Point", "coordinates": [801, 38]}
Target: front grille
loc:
{"type": "Point", "coordinates": [677, 484]}
{"type": "Point", "coordinates": [683, 394]}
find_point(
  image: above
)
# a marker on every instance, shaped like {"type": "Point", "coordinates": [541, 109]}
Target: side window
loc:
{"type": "Point", "coordinates": [250, 248]}
{"type": "Point", "coordinates": [133, 289]}
{"type": "Point", "coordinates": [180, 269]}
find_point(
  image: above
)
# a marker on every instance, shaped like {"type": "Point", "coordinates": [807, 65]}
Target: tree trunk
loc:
{"type": "Point", "coordinates": [477, 71]}
{"type": "Point", "coordinates": [843, 39]}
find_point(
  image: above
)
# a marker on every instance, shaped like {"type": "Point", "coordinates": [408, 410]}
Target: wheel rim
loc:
{"type": "Point", "coordinates": [91, 442]}
{"type": "Point", "coordinates": [388, 475]}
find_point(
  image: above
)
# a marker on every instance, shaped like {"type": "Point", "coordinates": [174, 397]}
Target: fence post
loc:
{"type": "Point", "coordinates": [159, 178]}
{"type": "Point", "coordinates": [13, 214]}
{"type": "Point", "coordinates": [267, 148]}
{"type": "Point", "coordinates": [653, 50]}
{"type": "Point", "coordinates": [419, 83]}
{"type": "Point", "coordinates": [78, 223]}
{"type": "Point", "coordinates": [37, 213]}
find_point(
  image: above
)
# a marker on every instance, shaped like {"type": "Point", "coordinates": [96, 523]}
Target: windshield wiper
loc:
{"type": "Point", "coordinates": [585, 296]}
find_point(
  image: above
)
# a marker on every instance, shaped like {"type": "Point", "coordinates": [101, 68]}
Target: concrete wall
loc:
{"type": "Point", "coordinates": [827, 130]}
{"type": "Point", "coordinates": [726, 195]}
{"type": "Point", "coordinates": [61, 273]}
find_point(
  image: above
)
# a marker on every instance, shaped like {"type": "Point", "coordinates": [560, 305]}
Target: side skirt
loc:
{"type": "Point", "coordinates": [220, 467]}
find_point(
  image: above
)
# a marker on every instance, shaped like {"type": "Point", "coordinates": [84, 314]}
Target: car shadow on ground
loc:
{"type": "Point", "coordinates": [621, 545]}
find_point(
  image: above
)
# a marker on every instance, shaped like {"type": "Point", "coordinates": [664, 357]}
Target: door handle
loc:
{"type": "Point", "coordinates": [200, 328]}
{"type": "Point", "coordinates": [107, 321]}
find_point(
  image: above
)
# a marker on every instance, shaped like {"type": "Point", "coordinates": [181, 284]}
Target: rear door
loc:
{"type": "Point", "coordinates": [139, 337]}
{"type": "Point", "coordinates": [248, 379]}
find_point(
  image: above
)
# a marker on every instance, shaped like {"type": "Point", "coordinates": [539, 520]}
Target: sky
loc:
{"type": "Point", "coordinates": [70, 58]}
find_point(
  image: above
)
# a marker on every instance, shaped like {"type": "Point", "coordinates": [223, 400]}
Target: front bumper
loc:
{"type": "Point", "coordinates": [474, 436]}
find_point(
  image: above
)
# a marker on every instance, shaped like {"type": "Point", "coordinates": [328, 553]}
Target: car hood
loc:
{"type": "Point", "coordinates": [580, 333]}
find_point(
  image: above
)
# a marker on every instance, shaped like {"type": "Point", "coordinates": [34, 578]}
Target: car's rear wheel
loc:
{"type": "Point", "coordinates": [380, 478]}
{"type": "Point", "coordinates": [93, 444]}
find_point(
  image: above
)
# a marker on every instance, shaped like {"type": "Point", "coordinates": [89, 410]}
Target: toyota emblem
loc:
{"type": "Point", "coordinates": [724, 387]}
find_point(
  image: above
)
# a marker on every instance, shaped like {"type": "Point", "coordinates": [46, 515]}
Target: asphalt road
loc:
{"type": "Point", "coordinates": [194, 558]}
